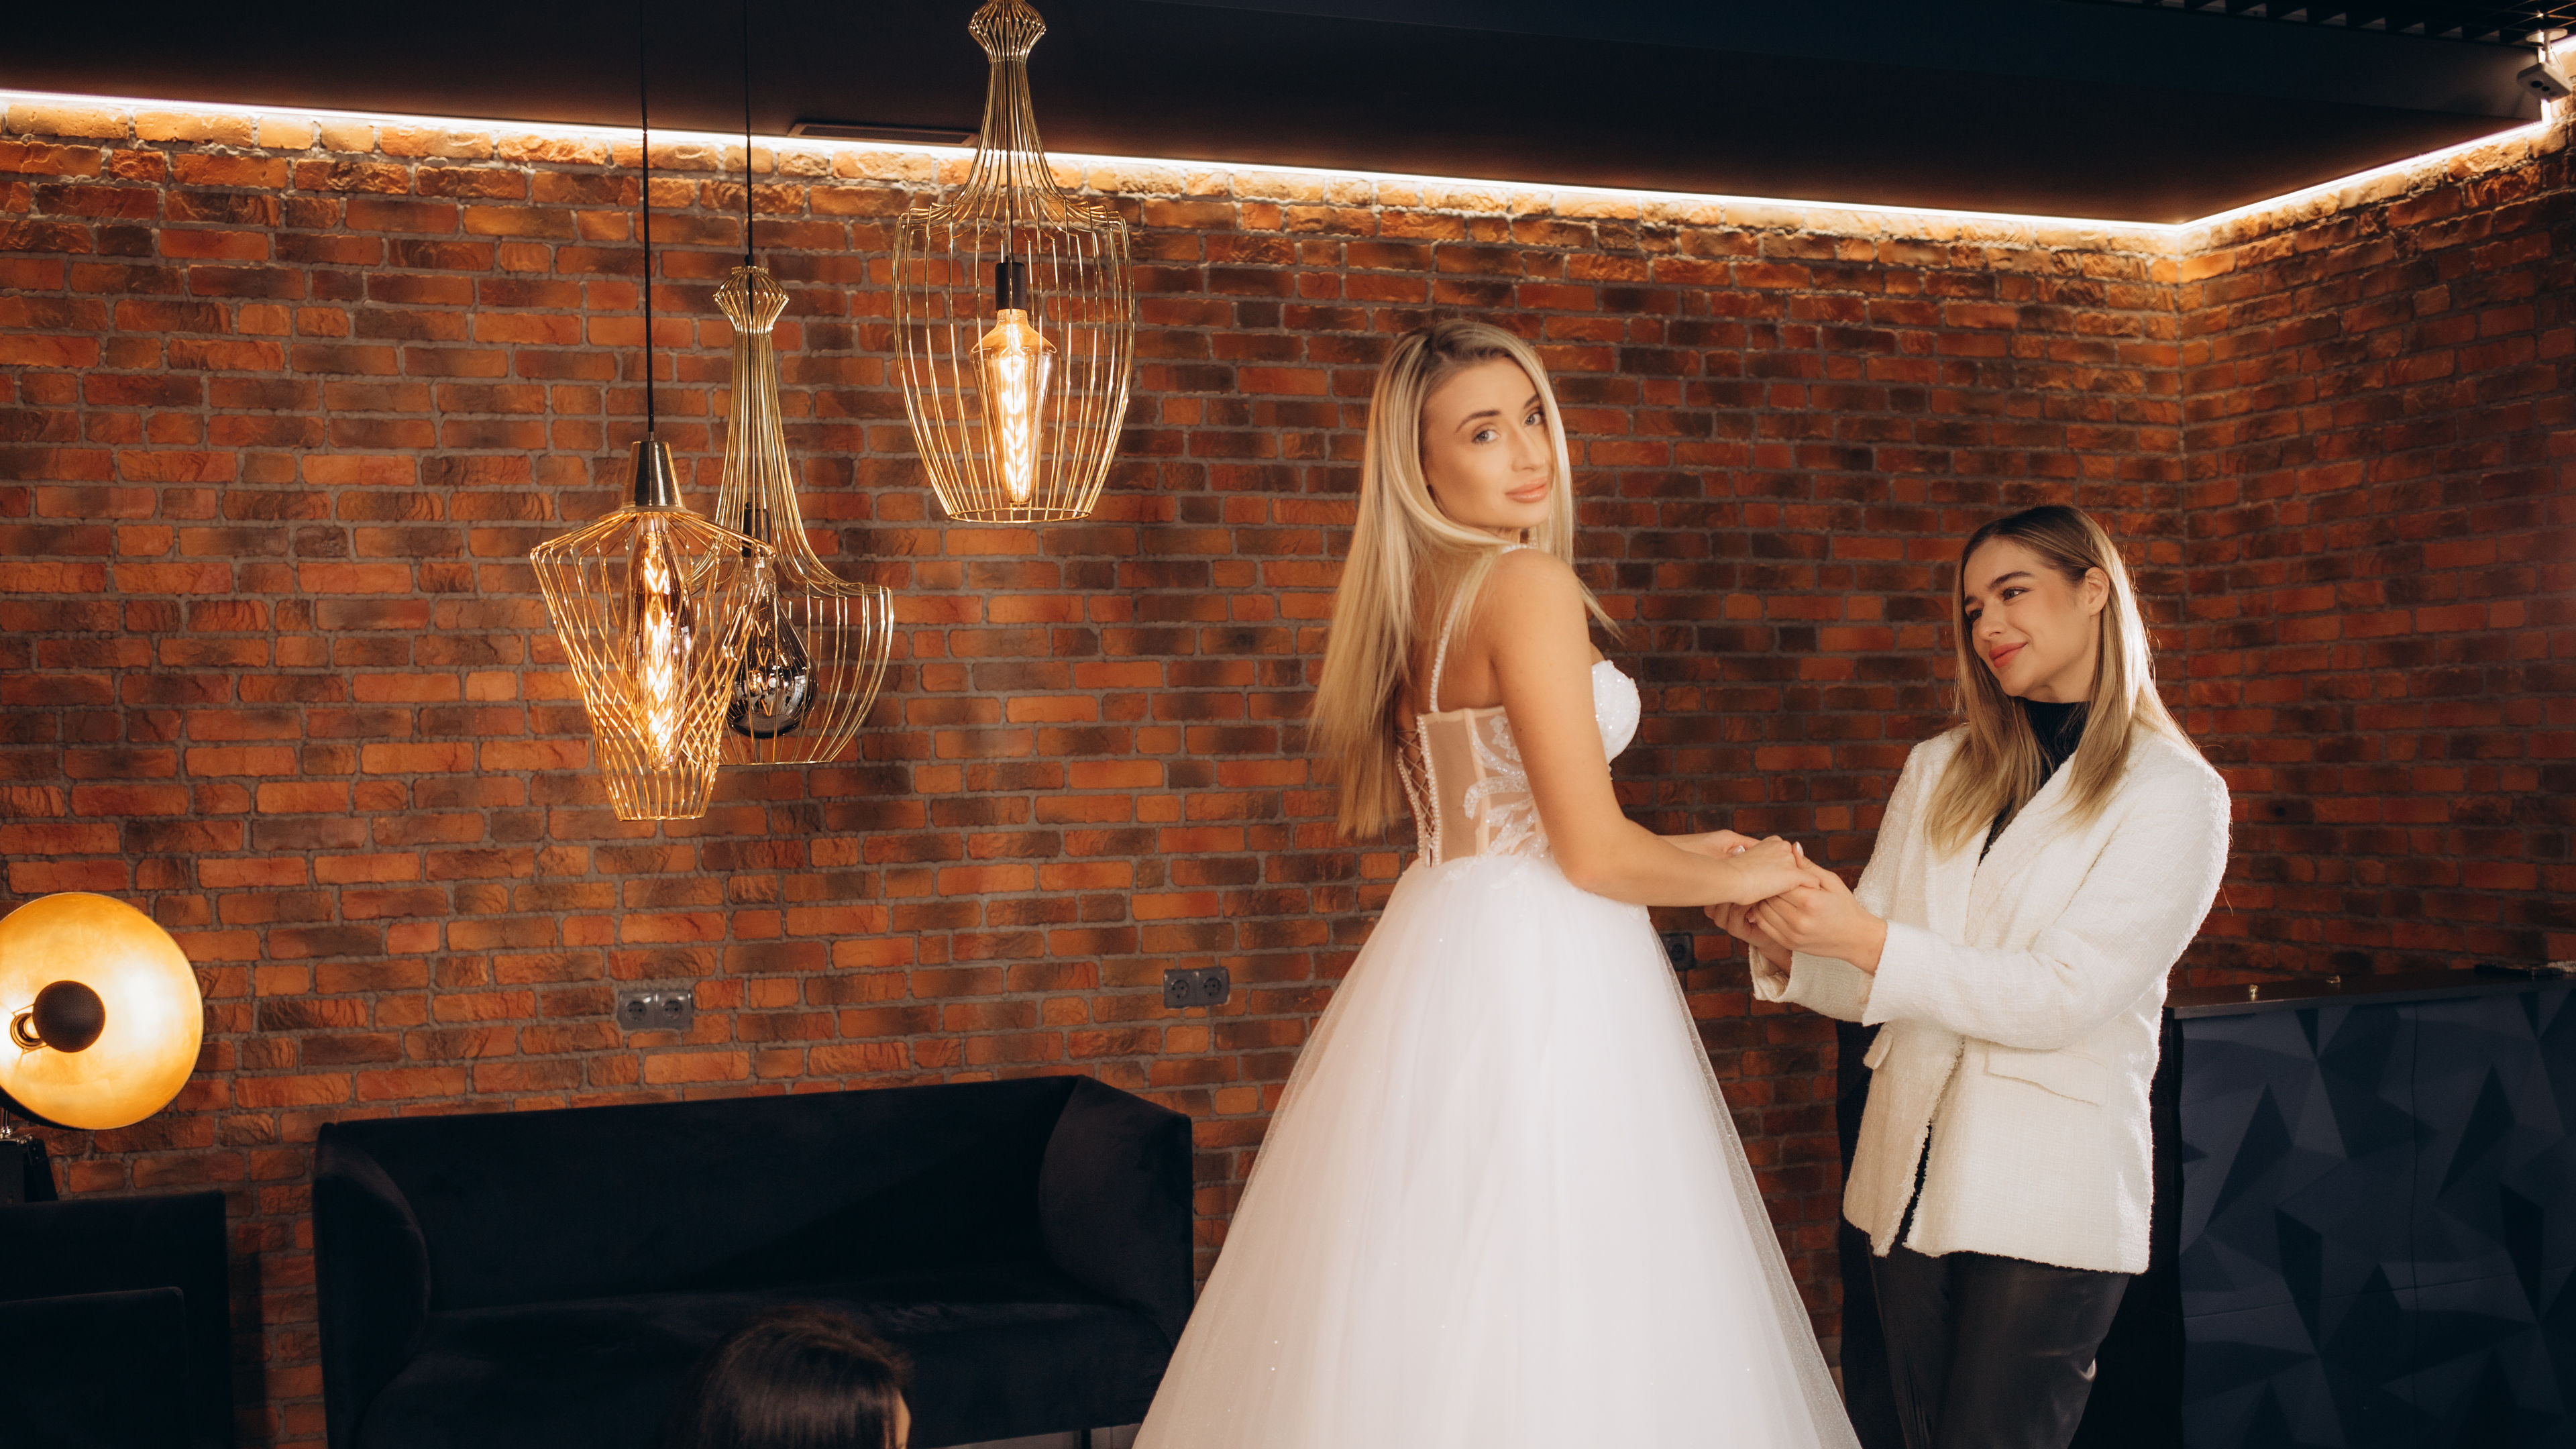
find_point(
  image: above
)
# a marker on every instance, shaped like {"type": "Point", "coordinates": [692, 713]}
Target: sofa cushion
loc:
{"type": "Point", "coordinates": [999, 1350]}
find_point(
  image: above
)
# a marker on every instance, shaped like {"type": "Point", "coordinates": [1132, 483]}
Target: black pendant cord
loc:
{"type": "Point", "coordinates": [1010, 207]}
{"type": "Point", "coordinates": [752, 525]}
{"type": "Point", "coordinates": [644, 113]}
{"type": "Point", "coordinates": [746, 133]}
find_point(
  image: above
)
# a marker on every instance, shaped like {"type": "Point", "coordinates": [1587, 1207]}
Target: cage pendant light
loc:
{"type": "Point", "coordinates": [1015, 315]}
{"type": "Point", "coordinates": [817, 646]}
{"type": "Point", "coordinates": [651, 604]}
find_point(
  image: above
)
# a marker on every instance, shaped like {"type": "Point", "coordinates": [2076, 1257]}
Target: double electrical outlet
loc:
{"type": "Point", "coordinates": [1185, 986]}
{"type": "Point", "coordinates": [657, 1008]}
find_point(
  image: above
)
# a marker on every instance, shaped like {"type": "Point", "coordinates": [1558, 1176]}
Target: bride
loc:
{"type": "Point", "coordinates": [1501, 1203]}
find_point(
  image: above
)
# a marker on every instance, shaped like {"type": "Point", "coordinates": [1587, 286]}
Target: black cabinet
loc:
{"type": "Point", "coordinates": [2377, 1217]}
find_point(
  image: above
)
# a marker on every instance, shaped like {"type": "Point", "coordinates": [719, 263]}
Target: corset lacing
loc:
{"type": "Point", "coordinates": [1413, 759]}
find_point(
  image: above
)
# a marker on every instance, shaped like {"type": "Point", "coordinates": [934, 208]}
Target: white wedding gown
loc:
{"type": "Point", "coordinates": [1502, 1203]}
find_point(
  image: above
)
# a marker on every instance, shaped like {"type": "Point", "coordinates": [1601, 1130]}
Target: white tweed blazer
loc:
{"type": "Point", "coordinates": [2021, 996]}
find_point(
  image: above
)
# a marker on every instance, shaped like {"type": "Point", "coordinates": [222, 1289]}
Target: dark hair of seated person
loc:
{"type": "Point", "coordinates": [793, 1378]}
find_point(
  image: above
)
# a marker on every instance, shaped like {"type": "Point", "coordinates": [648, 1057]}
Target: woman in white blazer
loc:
{"type": "Point", "coordinates": [2040, 869]}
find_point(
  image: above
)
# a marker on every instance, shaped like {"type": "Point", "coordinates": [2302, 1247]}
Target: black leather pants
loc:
{"type": "Point", "coordinates": [1991, 1353]}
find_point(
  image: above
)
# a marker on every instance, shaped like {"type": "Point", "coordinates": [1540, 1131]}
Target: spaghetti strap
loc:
{"type": "Point", "coordinates": [1439, 657]}
{"type": "Point", "coordinates": [1440, 652]}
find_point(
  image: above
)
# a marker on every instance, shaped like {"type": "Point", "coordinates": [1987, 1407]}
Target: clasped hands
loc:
{"type": "Point", "coordinates": [1820, 916]}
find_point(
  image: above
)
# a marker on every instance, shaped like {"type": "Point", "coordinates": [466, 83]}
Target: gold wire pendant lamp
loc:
{"type": "Point", "coordinates": [1016, 318]}
{"type": "Point", "coordinates": [818, 643]}
{"type": "Point", "coordinates": [651, 604]}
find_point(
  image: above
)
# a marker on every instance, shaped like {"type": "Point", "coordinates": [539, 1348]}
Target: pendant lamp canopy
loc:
{"type": "Point", "coordinates": [1015, 315]}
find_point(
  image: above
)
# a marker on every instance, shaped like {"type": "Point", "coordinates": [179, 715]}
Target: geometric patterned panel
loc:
{"type": "Point", "coordinates": [2306, 1374]}
{"type": "Point", "coordinates": [2298, 1155]}
{"type": "Point", "coordinates": [2378, 1224]}
{"type": "Point", "coordinates": [2496, 1193]}
{"type": "Point", "coordinates": [2488, 1369]}
{"type": "Point", "coordinates": [2495, 1217]}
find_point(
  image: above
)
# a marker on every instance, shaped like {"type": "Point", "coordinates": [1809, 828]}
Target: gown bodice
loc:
{"type": "Point", "coordinates": [1463, 774]}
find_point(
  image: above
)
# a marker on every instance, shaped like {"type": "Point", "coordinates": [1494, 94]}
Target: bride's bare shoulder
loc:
{"type": "Point", "coordinates": [1534, 596]}
{"type": "Point", "coordinates": [1530, 582]}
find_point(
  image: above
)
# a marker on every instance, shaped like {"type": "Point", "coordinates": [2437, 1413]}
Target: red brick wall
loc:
{"type": "Point", "coordinates": [2381, 520]}
{"type": "Point", "coordinates": [288, 401]}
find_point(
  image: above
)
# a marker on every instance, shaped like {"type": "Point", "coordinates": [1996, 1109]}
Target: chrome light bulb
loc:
{"type": "Point", "coordinates": [776, 684]}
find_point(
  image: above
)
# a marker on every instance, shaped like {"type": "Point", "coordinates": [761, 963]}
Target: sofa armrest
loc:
{"type": "Point", "coordinates": [1114, 1201]}
{"type": "Point", "coordinates": [98, 1369]}
{"type": "Point", "coordinates": [100, 1247]}
{"type": "Point", "coordinates": [372, 1268]}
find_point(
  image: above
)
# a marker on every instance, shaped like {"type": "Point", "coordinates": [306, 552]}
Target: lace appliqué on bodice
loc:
{"type": "Point", "coordinates": [1500, 803]}
{"type": "Point", "coordinates": [1464, 777]}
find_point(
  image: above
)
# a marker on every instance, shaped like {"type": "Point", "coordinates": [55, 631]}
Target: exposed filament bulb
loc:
{"type": "Point", "coordinates": [1016, 362]}
{"type": "Point", "coordinates": [661, 629]}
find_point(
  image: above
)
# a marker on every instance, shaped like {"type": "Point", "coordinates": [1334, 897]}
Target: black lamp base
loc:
{"type": "Point", "coordinates": [25, 1173]}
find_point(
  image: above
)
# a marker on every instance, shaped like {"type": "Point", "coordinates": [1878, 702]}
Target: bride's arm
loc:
{"type": "Point", "coordinates": [1530, 628]}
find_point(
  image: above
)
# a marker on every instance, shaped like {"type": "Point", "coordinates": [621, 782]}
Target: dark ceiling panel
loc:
{"type": "Point", "coordinates": [2032, 106]}
{"type": "Point", "coordinates": [2104, 42]}
{"type": "Point", "coordinates": [2476, 23]}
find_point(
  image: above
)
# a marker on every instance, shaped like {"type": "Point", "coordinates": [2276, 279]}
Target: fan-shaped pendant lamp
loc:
{"type": "Point", "coordinates": [652, 605]}
{"type": "Point", "coordinates": [817, 645]}
{"type": "Point", "coordinates": [1015, 315]}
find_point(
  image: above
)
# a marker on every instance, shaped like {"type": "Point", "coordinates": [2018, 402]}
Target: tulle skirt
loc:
{"type": "Point", "coordinates": [1501, 1204]}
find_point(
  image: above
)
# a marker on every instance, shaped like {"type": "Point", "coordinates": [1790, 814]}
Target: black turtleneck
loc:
{"type": "Point", "coordinates": [2059, 728]}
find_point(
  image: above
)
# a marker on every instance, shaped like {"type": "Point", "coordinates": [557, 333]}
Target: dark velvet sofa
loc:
{"type": "Point", "coordinates": [547, 1278]}
{"type": "Point", "coordinates": [115, 1319]}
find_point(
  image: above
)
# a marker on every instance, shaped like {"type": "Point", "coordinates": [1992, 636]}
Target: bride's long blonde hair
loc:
{"type": "Point", "coordinates": [1410, 563]}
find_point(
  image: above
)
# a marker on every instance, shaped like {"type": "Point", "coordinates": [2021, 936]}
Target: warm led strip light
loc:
{"type": "Point", "coordinates": [2170, 230]}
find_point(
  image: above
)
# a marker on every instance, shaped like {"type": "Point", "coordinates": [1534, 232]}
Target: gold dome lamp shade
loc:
{"type": "Point", "coordinates": [103, 1011]}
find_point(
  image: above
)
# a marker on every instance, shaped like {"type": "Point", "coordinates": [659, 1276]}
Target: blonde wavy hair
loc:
{"type": "Point", "coordinates": [1999, 766]}
{"type": "Point", "coordinates": [1410, 564]}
